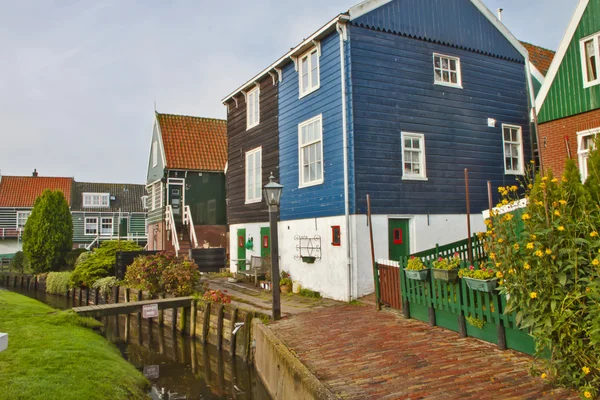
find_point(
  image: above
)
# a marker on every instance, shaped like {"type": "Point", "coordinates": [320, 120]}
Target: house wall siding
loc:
{"type": "Point", "coordinates": [326, 199]}
{"type": "Point", "coordinates": [394, 91]}
{"type": "Point", "coordinates": [567, 96]}
{"type": "Point", "coordinates": [240, 140]}
{"type": "Point", "coordinates": [553, 134]}
{"type": "Point", "coordinates": [200, 189]}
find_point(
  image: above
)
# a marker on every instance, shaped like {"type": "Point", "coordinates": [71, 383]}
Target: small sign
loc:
{"type": "Point", "coordinates": [151, 371]}
{"type": "Point", "coordinates": [150, 311]}
{"type": "Point", "coordinates": [3, 341]}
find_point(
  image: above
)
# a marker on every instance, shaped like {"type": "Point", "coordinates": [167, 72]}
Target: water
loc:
{"type": "Point", "coordinates": [181, 367]}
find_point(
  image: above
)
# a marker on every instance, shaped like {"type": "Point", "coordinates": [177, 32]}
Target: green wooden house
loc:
{"type": "Point", "coordinates": [186, 183]}
{"type": "Point", "coordinates": [568, 103]}
{"type": "Point", "coordinates": [108, 211]}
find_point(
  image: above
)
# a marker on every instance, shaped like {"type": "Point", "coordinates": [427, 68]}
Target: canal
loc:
{"type": "Point", "coordinates": [177, 366]}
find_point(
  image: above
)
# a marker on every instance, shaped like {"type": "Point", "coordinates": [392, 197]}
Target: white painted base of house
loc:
{"type": "Point", "coordinates": [3, 342]}
{"type": "Point", "coordinates": [252, 231]}
{"type": "Point", "coordinates": [10, 246]}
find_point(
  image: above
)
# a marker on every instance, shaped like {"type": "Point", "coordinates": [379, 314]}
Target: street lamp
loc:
{"type": "Point", "coordinates": [272, 194]}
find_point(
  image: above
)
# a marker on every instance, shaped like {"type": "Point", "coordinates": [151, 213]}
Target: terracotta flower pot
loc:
{"type": "Point", "coordinates": [285, 288]}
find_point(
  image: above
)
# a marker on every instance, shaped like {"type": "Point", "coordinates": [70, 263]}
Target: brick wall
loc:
{"type": "Point", "coordinates": [552, 136]}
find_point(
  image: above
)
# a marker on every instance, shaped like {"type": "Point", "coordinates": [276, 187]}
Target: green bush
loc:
{"type": "Point", "coordinates": [57, 282]}
{"type": "Point", "coordinates": [105, 285]}
{"type": "Point", "coordinates": [100, 262]}
{"type": "Point", "coordinates": [17, 263]}
{"type": "Point", "coordinates": [163, 273]}
{"type": "Point", "coordinates": [72, 257]}
{"type": "Point", "coordinates": [310, 293]}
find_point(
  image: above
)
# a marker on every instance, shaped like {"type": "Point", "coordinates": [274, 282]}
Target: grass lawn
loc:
{"type": "Point", "coordinates": [55, 355]}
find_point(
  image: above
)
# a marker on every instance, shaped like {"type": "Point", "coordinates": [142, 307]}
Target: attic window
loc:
{"type": "Point", "coordinates": [309, 72]}
{"type": "Point", "coordinates": [154, 154]}
{"type": "Point", "coordinates": [590, 60]}
{"type": "Point", "coordinates": [96, 200]}
{"type": "Point", "coordinates": [253, 108]}
{"type": "Point", "coordinates": [446, 70]}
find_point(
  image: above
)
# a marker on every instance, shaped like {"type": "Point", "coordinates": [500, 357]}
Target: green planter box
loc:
{"type": "Point", "coordinates": [309, 259]}
{"type": "Point", "coordinates": [445, 275]}
{"type": "Point", "coordinates": [420, 275]}
{"type": "Point", "coordinates": [481, 285]}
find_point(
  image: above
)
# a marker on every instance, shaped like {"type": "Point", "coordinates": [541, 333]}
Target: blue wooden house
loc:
{"type": "Point", "coordinates": [393, 99]}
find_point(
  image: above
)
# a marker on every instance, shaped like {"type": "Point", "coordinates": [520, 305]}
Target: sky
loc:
{"type": "Point", "coordinates": [80, 79]}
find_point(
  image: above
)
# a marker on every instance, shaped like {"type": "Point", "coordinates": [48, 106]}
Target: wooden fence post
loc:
{"type": "Point", "coordinates": [193, 319]}
{"type": "Point", "coordinates": [139, 298]}
{"type": "Point", "coordinates": [87, 296]}
{"type": "Point", "coordinates": [206, 323]}
{"type": "Point", "coordinates": [234, 315]}
{"type": "Point", "coordinates": [127, 293]}
{"type": "Point", "coordinates": [161, 314]}
{"type": "Point", "coordinates": [116, 294]}
{"type": "Point", "coordinates": [219, 326]}
{"type": "Point", "coordinates": [174, 320]}
{"type": "Point", "coordinates": [97, 296]}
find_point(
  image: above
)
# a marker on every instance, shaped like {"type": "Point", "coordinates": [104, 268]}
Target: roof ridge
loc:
{"type": "Point", "coordinates": [111, 183]}
{"type": "Point", "coordinates": [38, 177]}
{"type": "Point", "coordinates": [192, 116]}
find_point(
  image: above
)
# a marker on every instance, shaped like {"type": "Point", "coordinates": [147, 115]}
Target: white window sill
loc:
{"type": "Point", "coordinates": [309, 91]}
{"type": "Point", "coordinates": [315, 183]}
{"type": "Point", "coordinates": [90, 234]}
{"type": "Point", "coordinates": [447, 84]}
{"type": "Point", "coordinates": [590, 84]}
{"type": "Point", "coordinates": [515, 173]}
{"type": "Point", "coordinates": [253, 126]}
{"type": "Point", "coordinates": [414, 178]}
{"type": "Point", "coordinates": [253, 201]}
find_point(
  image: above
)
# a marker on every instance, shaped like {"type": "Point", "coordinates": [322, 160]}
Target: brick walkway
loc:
{"type": "Point", "coordinates": [362, 354]}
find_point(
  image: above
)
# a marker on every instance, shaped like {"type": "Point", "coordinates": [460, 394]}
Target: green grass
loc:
{"type": "Point", "coordinates": [55, 355]}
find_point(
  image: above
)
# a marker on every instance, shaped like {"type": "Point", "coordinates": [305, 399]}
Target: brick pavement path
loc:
{"type": "Point", "coordinates": [362, 354]}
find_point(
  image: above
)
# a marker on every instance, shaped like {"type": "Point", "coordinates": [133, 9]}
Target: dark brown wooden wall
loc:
{"type": "Point", "coordinates": [240, 141]}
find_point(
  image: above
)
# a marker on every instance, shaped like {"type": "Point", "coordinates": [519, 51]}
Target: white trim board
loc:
{"type": "Point", "coordinates": [560, 53]}
{"type": "Point", "coordinates": [536, 73]}
{"type": "Point", "coordinates": [160, 140]}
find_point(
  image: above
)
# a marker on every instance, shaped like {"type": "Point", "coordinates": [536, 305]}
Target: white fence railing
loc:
{"type": "Point", "coordinates": [187, 220]}
{"type": "Point", "coordinates": [171, 227]}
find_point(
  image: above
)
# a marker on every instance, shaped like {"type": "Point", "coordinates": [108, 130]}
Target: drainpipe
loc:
{"type": "Point", "coordinates": [342, 30]}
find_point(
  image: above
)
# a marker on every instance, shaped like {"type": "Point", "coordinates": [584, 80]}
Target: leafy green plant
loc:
{"type": "Point", "coordinates": [181, 277]}
{"type": "Point", "coordinates": [415, 264]}
{"type": "Point", "coordinates": [57, 282]}
{"type": "Point", "coordinates": [472, 272]}
{"type": "Point", "coordinates": [100, 262]}
{"type": "Point", "coordinates": [72, 257]}
{"type": "Point", "coordinates": [105, 285]}
{"type": "Point", "coordinates": [476, 322]}
{"type": "Point", "coordinates": [447, 264]}
{"type": "Point", "coordinates": [48, 235]}
{"type": "Point", "coordinates": [17, 263]}
{"type": "Point", "coordinates": [285, 282]}
{"type": "Point", "coordinates": [310, 293]}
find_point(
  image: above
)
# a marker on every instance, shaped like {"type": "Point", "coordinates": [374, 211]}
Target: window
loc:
{"type": "Point", "coordinates": [311, 151]}
{"type": "Point", "coordinates": [96, 200]}
{"type": "Point", "coordinates": [145, 202]}
{"type": "Point", "coordinates": [22, 218]}
{"type": "Point", "coordinates": [157, 196]}
{"type": "Point", "coordinates": [154, 154]}
{"type": "Point", "coordinates": [309, 72]}
{"type": "Point", "coordinates": [413, 156]}
{"type": "Point", "coordinates": [106, 226]}
{"type": "Point", "coordinates": [265, 243]}
{"type": "Point", "coordinates": [585, 143]}
{"type": "Point", "coordinates": [513, 149]}
{"type": "Point", "coordinates": [398, 236]}
{"type": "Point", "coordinates": [336, 236]}
{"type": "Point", "coordinates": [590, 60]}
{"type": "Point", "coordinates": [91, 226]}
{"type": "Point", "coordinates": [446, 70]}
{"type": "Point", "coordinates": [253, 108]}
{"type": "Point", "coordinates": [253, 175]}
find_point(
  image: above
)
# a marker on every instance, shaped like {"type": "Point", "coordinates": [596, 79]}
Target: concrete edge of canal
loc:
{"type": "Point", "coordinates": [282, 373]}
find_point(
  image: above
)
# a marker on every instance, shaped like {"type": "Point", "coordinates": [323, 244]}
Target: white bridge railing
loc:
{"type": "Point", "coordinates": [171, 227]}
{"type": "Point", "coordinates": [187, 220]}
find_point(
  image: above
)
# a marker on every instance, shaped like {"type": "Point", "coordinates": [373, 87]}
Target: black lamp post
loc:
{"type": "Point", "coordinates": [272, 194]}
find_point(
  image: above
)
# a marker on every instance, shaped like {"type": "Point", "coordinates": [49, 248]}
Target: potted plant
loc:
{"type": "Point", "coordinates": [309, 259]}
{"type": "Point", "coordinates": [483, 280]}
{"type": "Point", "coordinates": [285, 282]}
{"type": "Point", "coordinates": [415, 269]}
{"type": "Point", "coordinates": [446, 269]}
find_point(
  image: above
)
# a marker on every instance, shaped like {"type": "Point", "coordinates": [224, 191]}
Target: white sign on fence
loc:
{"type": "Point", "coordinates": [3, 341]}
{"type": "Point", "coordinates": [152, 371]}
{"type": "Point", "coordinates": [150, 311]}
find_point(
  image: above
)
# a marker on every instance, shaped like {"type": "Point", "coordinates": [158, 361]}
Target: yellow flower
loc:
{"type": "Point", "coordinates": [554, 180]}
{"type": "Point", "coordinates": [563, 202]}
{"type": "Point", "coordinates": [585, 370]}
{"type": "Point", "coordinates": [487, 222]}
{"type": "Point", "coordinates": [544, 179]}
{"type": "Point", "coordinates": [500, 189]}
{"type": "Point", "coordinates": [493, 256]}
{"type": "Point", "coordinates": [587, 290]}
{"type": "Point", "coordinates": [539, 253]}
{"type": "Point", "coordinates": [539, 203]}
{"type": "Point", "coordinates": [532, 162]}
{"type": "Point", "coordinates": [504, 202]}
{"type": "Point", "coordinates": [498, 264]}
{"type": "Point", "coordinates": [501, 281]}
{"type": "Point", "coordinates": [508, 216]}
{"type": "Point", "coordinates": [548, 251]}
{"type": "Point", "coordinates": [500, 240]}
{"type": "Point", "coordinates": [564, 179]}
{"type": "Point", "coordinates": [543, 185]}
{"type": "Point", "coordinates": [530, 186]}
{"type": "Point", "coordinates": [525, 217]}
{"type": "Point", "coordinates": [516, 246]}
{"type": "Point", "coordinates": [514, 188]}
{"type": "Point", "coordinates": [557, 213]}
{"type": "Point", "coordinates": [595, 262]}
{"type": "Point", "coordinates": [533, 295]}
{"type": "Point", "coordinates": [594, 234]}
{"type": "Point", "coordinates": [526, 266]}
{"type": "Point", "coordinates": [499, 274]}
{"type": "Point", "coordinates": [533, 237]}
{"type": "Point", "coordinates": [544, 375]}
{"type": "Point", "coordinates": [530, 246]}
{"type": "Point", "coordinates": [587, 395]}
{"type": "Point", "coordinates": [511, 271]}
{"type": "Point", "coordinates": [561, 228]}
{"type": "Point", "coordinates": [498, 205]}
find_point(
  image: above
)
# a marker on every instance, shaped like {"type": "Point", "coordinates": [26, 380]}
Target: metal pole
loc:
{"type": "Point", "coordinates": [375, 272]}
{"type": "Point", "coordinates": [275, 263]}
{"type": "Point", "coordinates": [468, 215]}
{"type": "Point", "coordinates": [490, 202]}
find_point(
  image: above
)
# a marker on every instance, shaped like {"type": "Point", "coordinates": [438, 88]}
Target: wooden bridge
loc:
{"type": "Point", "coordinates": [105, 310]}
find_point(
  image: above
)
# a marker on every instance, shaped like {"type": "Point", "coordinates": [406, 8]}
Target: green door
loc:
{"type": "Point", "coordinates": [123, 231]}
{"type": "Point", "coordinates": [399, 238]}
{"type": "Point", "coordinates": [241, 245]}
{"type": "Point", "coordinates": [265, 242]}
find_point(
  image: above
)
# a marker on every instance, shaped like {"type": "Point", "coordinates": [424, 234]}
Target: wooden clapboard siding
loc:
{"type": "Point", "coordinates": [240, 141]}
{"type": "Point", "coordinates": [393, 91]}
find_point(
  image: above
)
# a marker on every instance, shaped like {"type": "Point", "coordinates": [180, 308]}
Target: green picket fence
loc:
{"type": "Point", "coordinates": [461, 247]}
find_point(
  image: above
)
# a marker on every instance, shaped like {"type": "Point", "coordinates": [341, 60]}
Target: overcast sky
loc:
{"type": "Point", "coordinates": [79, 79]}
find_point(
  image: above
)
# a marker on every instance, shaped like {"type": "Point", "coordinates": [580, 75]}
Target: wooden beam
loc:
{"type": "Point", "coordinates": [131, 307]}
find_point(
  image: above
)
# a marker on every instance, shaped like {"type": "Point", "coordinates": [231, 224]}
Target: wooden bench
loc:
{"type": "Point", "coordinates": [257, 268]}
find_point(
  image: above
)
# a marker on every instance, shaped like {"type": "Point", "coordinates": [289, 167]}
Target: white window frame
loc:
{"type": "Point", "coordinates": [301, 183]}
{"type": "Point", "coordinates": [596, 45]}
{"type": "Point", "coordinates": [254, 97]}
{"type": "Point", "coordinates": [422, 175]}
{"type": "Point", "coordinates": [145, 202]}
{"type": "Point", "coordinates": [154, 154]}
{"type": "Point", "coordinates": [585, 153]}
{"type": "Point", "coordinates": [307, 56]}
{"type": "Point", "coordinates": [101, 228]}
{"type": "Point", "coordinates": [253, 197]}
{"type": "Point", "coordinates": [458, 83]}
{"type": "Point", "coordinates": [20, 217]}
{"type": "Point", "coordinates": [96, 200]}
{"type": "Point", "coordinates": [520, 171]}
{"type": "Point", "coordinates": [86, 222]}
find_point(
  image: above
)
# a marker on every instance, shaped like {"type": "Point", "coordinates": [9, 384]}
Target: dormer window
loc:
{"type": "Point", "coordinates": [308, 70]}
{"type": "Point", "coordinates": [253, 108]}
{"type": "Point", "coordinates": [96, 200]}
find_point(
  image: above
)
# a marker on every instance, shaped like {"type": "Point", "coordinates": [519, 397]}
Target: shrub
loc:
{"type": "Point", "coordinates": [72, 257]}
{"type": "Point", "coordinates": [105, 285]}
{"type": "Point", "coordinates": [310, 293]}
{"type": "Point", "coordinates": [57, 282]}
{"type": "Point", "coordinates": [100, 262]}
{"type": "Point", "coordinates": [48, 235]}
{"type": "Point", "coordinates": [17, 263]}
{"type": "Point", "coordinates": [163, 273]}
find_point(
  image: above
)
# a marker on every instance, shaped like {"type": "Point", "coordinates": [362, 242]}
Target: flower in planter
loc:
{"type": "Point", "coordinates": [447, 264]}
{"type": "Point", "coordinates": [415, 264]}
{"type": "Point", "coordinates": [471, 272]}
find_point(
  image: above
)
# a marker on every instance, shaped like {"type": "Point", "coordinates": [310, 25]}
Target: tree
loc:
{"type": "Point", "coordinates": [48, 235]}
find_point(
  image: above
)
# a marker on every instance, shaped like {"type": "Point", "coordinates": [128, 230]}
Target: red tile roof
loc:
{"type": "Point", "coordinates": [21, 191]}
{"type": "Point", "coordinates": [539, 57]}
{"type": "Point", "coordinates": [194, 143]}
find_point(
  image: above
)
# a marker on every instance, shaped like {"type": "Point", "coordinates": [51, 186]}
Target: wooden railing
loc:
{"type": "Point", "coordinates": [187, 220]}
{"type": "Point", "coordinates": [171, 227]}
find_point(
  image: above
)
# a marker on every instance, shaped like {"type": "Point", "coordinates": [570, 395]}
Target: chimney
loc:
{"type": "Point", "coordinates": [500, 13]}
{"type": "Point", "coordinates": [35, 174]}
